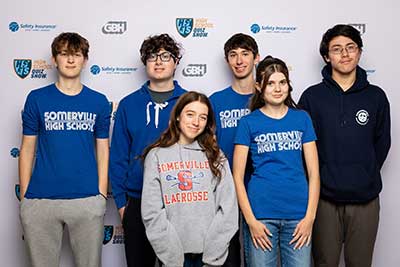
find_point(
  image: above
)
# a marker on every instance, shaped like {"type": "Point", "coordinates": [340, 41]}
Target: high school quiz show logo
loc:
{"type": "Point", "coordinates": [257, 28]}
{"type": "Point", "coordinates": [28, 27]}
{"type": "Point", "coordinates": [37, 69]}
{"type": "Point", "coordinates": [114, 233]}
{"type": "Point", "coordinates": [198, 28]}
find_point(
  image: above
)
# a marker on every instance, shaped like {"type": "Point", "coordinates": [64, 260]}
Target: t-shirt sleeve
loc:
{"type": "Point", "coordinates": [102, 127]}
{"type": "Point", "coordinates": [30, 116]}
{"type": "Point", "coordinates": [243, 136]}
{"type": "Point", "coordinates": [309, 132]}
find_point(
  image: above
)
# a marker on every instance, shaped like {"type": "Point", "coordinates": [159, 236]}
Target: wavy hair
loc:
{"type": "Point", "coordinates": [268, 66]}
{"type": "Point", "coordinates": [206, 139]}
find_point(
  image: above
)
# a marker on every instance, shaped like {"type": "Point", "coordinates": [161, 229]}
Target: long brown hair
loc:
{"type": "Point", "coordinates": [268, 66]}
{"type": "Point", "coordinates": [206, 139]}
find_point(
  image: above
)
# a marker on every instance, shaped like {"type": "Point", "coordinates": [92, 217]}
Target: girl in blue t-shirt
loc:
{"type": "Point", "coordinates": [279, 203]}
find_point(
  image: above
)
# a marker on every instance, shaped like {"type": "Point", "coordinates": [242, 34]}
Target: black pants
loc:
{"type": "Point", "coordinates": [138, 250]}
{"type": "Point", "coordinates": [233, 259]}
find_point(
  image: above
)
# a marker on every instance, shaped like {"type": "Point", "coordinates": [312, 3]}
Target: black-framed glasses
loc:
{"type": "Point", "coordinates": [164, 56]}
{"type": "Point", "coordinates": [338, 50]}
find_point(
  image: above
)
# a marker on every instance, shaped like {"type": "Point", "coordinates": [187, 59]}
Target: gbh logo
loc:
{"type": "Point", "coordinates": [22, 67]}
{"type": "Point", "coordinates": [195, 70]}
{"type": "Point", "coordinates": [115, 27]}
{"type": "Point", "coordinates": [361, 27]}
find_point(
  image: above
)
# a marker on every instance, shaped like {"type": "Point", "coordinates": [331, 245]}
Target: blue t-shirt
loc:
{"type": "Point", "coordinates": [66, 126]}
{"type": "Point", "coordinates": [229, 106]}
{"type": "Point", "coordinates": [278, 187]}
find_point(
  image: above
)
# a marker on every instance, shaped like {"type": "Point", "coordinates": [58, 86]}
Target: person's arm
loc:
{"type": "Point", "coordinates": [259, 232]}
{"type": "Point", "coordinates": [25, 162]}
{"type": "Point", "coordinates": [102, 152]}
{"type": "Point", "coordinates": [303, 231]}
{"type": "Point", "coordinates": [225, 223]}
{"type": "Point", "coordinates": [160, 232]}
{"type": "Point", "coordinates": [382, 133]}
{"type": "Point", "coordinates": [119, 159]}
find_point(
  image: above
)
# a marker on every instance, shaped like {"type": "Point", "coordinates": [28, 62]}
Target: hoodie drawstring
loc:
{"type": "Point", "coordinates": [157, 107]}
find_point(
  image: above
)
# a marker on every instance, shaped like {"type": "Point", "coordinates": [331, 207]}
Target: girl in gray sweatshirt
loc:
{"type": "Point", "coordinates": [189, 205]}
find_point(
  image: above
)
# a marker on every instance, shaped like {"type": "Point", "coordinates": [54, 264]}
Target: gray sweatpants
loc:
{"type": "Point", "coordinates": [43, 222]}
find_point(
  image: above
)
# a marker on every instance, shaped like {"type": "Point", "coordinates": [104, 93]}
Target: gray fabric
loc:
{"type": "Point", "coordinates": [200, 219]}
{"type": "Point", "coordinates": [160, 97]}
{"type": "Point", "coordinates": [43, 222]}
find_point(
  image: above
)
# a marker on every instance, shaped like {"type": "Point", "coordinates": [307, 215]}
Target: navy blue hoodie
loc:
{"type": "Point", "coordinates": [353, 131]}
{"type": "Point", "coordinates": [138, 123]}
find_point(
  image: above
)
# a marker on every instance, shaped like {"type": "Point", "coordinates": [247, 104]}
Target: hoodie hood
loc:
{"type": "Point", "coordinates": [360, 83]}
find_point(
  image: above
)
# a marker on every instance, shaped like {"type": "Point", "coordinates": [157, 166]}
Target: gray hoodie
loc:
{"type": "Point", "coordinates": [185, 209]}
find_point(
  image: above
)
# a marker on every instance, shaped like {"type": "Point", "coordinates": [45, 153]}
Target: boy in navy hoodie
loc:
{"type": "Point", "coordinates": [352, 121]}
{"type": "Point", "coordinates": [66, 126]}
{"type": "Point", "coordinates": [141, 118]}
{"type": "Point", "coordinates": [230, 104]}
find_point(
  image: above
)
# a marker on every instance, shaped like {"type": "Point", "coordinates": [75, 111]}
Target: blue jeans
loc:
{"type": "Point", "coordinates": [282, 231]}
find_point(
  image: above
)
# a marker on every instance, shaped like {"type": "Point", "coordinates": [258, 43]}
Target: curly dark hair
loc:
{"type": "Point", "coordinates": [206, 139]}
{"type": "Point", "coordinates": [153, 44]}
{"type": "Point", "coordinates": [74, 43]}
{"type": "Point", "coordinates": [268, 66]}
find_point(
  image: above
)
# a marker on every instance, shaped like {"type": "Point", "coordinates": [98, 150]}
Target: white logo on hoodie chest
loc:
{"type": "Point", "coordinates": [362, 117]}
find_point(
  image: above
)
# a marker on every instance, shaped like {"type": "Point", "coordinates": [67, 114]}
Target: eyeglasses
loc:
{"type": "Point", "coordinates": [164, 57]}
{"type": "Point", "coordinates": [338, 50]}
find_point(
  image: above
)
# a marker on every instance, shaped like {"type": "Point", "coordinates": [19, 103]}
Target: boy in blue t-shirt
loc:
{"type": "Point", "coordinates": [66, 126]}
{"type": "Point", "coordinates": [230, 104]}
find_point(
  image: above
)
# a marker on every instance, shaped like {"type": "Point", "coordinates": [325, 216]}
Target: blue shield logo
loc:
{"type": "Point", "coordinates": [108, 233]}
{"type": "Point", "coordinates": [22, 67]}
{"type": "Point", "coordinates": [184, 26]}
{"type": "Point", "coordinates": [17, 192]}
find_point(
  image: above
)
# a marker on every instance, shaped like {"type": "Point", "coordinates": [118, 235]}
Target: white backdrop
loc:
{"type": "Point", "coordinates": [287, 29]}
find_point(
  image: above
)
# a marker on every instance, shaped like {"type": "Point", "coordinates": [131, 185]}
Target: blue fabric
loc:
{"type": "Point", "coordinates": [136, 126]}
{"type": "Point", "coordinates": [353, 129]}
{"type": "Point", "coordinates": [278, 187]}
{"type": "Point", "coordinates": [282, 233]}
{"type": "Point", "coordinates": [67, 127]}
{"type": "Point", "coordinates": [229, 107]}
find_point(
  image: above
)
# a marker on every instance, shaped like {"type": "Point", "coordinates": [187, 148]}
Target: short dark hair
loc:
{"type": "Point", "coordinates": [154, 43]}
{"type": "Point", "coordinates": [339, 30]}
{"type": "Point", "coordinates": [74, 43]}
{"type": "Point", "coordinates": [241, 40]}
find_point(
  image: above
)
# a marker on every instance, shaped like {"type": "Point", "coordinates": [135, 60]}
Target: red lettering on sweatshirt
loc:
{"type": "Point", "coordinates": [186, 197]}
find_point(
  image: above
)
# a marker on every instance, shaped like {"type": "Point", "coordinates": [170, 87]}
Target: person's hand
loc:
{"type": "Point", "coordinates": [302, 233]}
{"type": "Point", "coordinates": [121, 212]}
{"type": "Point", "coordinates": [259, 234]}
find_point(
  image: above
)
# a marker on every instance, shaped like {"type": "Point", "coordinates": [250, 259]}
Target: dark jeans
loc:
{"type": "Point", "coordinates": [193, 260]}
{"type": "Point", "coordinates": [353, 225]}
{"type": "Point", "coordinates": [138, 250]}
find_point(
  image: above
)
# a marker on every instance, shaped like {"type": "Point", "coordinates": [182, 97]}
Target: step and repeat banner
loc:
{"type": "Point", "coordinates": [290, 30]}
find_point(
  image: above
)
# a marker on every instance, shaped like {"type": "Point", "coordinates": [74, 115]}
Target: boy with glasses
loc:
{"type": "Point", "coordinates": [352, 121]}
{"type": "Point", "coordinates": [66, 126]}
{"type": "Point", "coordinates": [141, 117]}
{"type": "Point", "coordinates": [230, 104]}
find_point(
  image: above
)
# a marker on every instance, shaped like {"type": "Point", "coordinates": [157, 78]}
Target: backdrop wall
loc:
{"type": "Point", "coordinates": [290, 30]}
